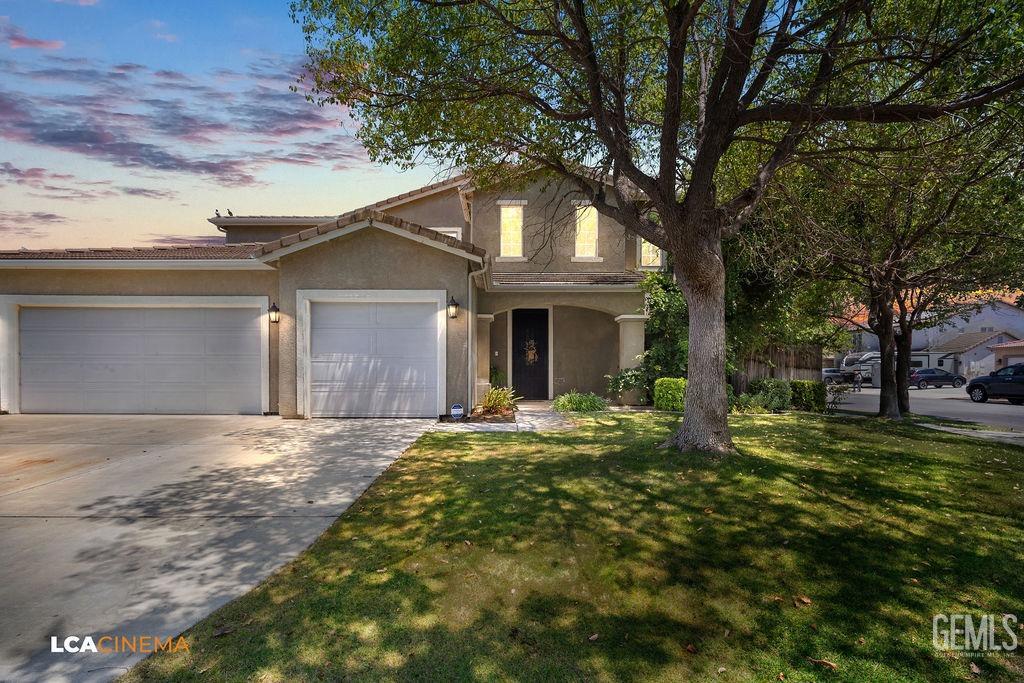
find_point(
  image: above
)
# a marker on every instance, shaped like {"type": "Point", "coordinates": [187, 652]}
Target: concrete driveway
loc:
{"type": "Point", "coordinates": [948, 403]}
{"type": "Point", "coordinates": [142, 525]}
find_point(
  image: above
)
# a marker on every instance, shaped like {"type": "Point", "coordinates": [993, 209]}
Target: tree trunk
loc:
{"type": "Point", "coordinates": [903, 343]}
{"type": "Point", "coordinates": [888, 399]}
{"type": "Point", "coordinates": [700, 273]}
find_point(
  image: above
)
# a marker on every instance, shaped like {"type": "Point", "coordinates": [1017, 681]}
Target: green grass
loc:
{"type": "Point", "coordinates": [501, 556]}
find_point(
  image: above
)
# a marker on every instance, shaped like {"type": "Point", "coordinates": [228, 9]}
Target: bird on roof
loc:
{"type": "Point", "coordinates": [217, 212]}
{"type": "Point", "coordinates": [229, 213]}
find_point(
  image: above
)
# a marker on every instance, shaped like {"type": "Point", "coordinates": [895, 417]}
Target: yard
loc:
{"type": "Point", "coordinates": [594, 555]}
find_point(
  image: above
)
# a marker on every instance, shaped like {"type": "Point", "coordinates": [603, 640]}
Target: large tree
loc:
{"type": "Point", "coordinates": [671, 117]}
{"type": "Point", "coordinates": [918, 227]}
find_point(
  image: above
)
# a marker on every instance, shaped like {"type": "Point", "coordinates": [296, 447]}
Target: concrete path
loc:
{"type": "Point", "coordinates": [532, 416]}
{"type": "Point", "coordinates": [142, 525]}
{"type": "Point", "coordinates": [950, 404]}
{"type": "Point", "coordinates": [1014, 438]}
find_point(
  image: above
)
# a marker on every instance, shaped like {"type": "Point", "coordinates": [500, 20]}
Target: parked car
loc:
{"type": "Point", "coordinates": [922, 378]}
{"type": "Point", "coordinates": [861, 362]}
{"type": "Point", "coordinates": [1007, 383]}
{"type": "Point", "coordinates": [836, 376]}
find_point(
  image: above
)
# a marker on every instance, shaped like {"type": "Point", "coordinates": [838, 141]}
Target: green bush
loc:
{"type": "Point", "coordinates": [498, 400]}
{"type": "Point", "coordinates": [575, 402]}
{"type": "Point", "coordinates": [776, 394]}
{"type": "Point", "coordinates": [808, 394]}
{"type": "Point", "coordinates": [750, 403]}
{"type": "Point", "coordinates": [498, 377]}
{"type": "Point", "coordinates": [670, 393]}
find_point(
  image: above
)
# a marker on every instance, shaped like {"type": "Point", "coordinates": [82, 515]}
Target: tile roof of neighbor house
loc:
{"type": "Point", "coordinates": [967, 341]}
{"type": "Point", "coordinates": [177, 252]}
{"type": "Point", "coordinates": [360, 215]}
{"type": "Point", "coordinates": [1019, 343]}
{"type": "Point", "coordinates": [560, 279]}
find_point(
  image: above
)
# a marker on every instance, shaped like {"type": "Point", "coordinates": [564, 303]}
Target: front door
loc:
{"type": "Point", "coordinates": [530, 352]}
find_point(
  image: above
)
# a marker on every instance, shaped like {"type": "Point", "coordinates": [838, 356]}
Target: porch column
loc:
{"type": "Point", "coordinates": [483, 355]}
{"type": "Point", "coordinates": [631, 345]}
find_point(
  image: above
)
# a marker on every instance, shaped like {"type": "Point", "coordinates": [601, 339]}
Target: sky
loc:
{"type": "Point", "coordinates": [127, 123]}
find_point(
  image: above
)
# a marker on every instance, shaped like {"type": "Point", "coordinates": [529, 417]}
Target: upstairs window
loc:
{"type": "Point", "coordinates": [586, 232]}
{"type": "Point", "coordinates": [650, 255]}
{"type": "Point", "coordinates": [511, 217]}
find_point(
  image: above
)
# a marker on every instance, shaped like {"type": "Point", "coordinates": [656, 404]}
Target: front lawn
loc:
{"type": "Point", "coordinates": [594, 555]}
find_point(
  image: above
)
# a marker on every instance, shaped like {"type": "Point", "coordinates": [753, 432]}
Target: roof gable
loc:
{"type": "Point", "coordinates": [367, 218]}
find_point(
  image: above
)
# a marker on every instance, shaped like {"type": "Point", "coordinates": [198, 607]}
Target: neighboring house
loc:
{"type": "Point", "coordinates": [968, 354]}
{"type": "Point", "coordinates": [1007, 353]}
{"type": "Point", "coordinates": [999, 316]}
{"type": "Point", "coordinates": [400, 308]}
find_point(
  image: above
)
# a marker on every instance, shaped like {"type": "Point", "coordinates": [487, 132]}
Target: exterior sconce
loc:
{"type": "Point", "coordinates": [453, 308]}
{"type": "Point", "coordinates": [275, 313]}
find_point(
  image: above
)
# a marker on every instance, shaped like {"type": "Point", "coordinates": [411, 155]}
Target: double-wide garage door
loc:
{"type": "Point", "coordinates": [140, 360]}
{"type": "Point", "coordinates": [373, 359]}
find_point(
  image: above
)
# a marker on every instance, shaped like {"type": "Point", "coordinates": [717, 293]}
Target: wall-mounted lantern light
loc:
{"type": "Point", "coordinates": [453, 308]}
{"type": "Point", "coordinates": [275, 313]}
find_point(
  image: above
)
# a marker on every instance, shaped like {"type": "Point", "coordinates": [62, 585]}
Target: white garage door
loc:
{"type": "Point", "coordinates": [1014, 360]}
{"type": "Point", "coordinates": [140, 360]}
{"type": "Point", "coordinates": [373, 359]}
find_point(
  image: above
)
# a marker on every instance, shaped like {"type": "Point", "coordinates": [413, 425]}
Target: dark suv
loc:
{"type": "Point", "coordinates": [1007, 383]}
{"type": "Point", "coordinates": [933, 377]}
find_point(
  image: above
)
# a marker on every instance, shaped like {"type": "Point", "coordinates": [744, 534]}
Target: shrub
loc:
{"type": "Point", "coordinates": [498, 400]}
{"type": "Point", "coordinates": [498, 377]}
{"type": "Point", "coordinates": [670, 393]}
{"type": "Point", "coordinates": [629, 379]}
{"type": "Point", "coordinates": [808, 394]}
{"type": "Point", "coordinates": [575, 402]}
{"type": "Point", "coordinates": [836, 395]}
{"type": "Point", "coordinates": [750, 403]}
{"type": "Point", "coordinates": [776, 394]}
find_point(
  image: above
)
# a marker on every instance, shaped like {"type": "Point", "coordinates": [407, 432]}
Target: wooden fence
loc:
{"type": "Point", "coordinates": [789, 362]}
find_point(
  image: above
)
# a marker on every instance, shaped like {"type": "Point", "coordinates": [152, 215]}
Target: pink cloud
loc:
{"type": "Point", "coordinates": [16, 38]}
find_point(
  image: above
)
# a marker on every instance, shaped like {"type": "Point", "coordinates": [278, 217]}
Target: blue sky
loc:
{"type": "Point", "coordinates": [127, 123]}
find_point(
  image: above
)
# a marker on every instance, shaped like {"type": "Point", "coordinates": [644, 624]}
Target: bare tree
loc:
{"type": "Point", "coordinates": [671, 117]}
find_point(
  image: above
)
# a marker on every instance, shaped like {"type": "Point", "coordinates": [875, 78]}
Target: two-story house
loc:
{"type": "Point", "coordinates": [401, 308]}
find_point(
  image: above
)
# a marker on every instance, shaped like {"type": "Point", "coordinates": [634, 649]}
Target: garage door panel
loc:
{"type": "Point", "coordinates": [343, 315]}
{"type": "Point", "coordinates": [373, 359]}
{"type": "Point", "coordinates": [156, 360]}
{"type": "Point", "coordinates": [343, 343]}
{"type": "Point", "coordinates": [1014, 360]}
{"type": "Point", "coordinates": [407, 315]}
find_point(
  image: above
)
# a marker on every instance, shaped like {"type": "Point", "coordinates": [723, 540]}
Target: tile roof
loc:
{"type": "Point", "coordinates": [360, 215]}
{"type": "Point", "coordinates": [185, 252]}
{"type": "Point", "coordinates": [564, 279]}
{"type": "Point", "coordinates": [1018, 344]}
{"type": "Point", "coordinates": [967, 341]}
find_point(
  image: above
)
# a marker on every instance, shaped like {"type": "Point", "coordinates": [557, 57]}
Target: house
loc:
{"type": "Point", "coordinates": [968, 354]}
{"type": "Point", "coordinates": [399, 308]}
{"type": "Point", "coordinates": [1000, 315]}
{"type": "Point", "coordinates": [1007, 353]}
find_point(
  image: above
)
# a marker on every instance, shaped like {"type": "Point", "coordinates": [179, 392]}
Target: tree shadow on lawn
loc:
{"type": "Point", "coordinates": [592, 554]}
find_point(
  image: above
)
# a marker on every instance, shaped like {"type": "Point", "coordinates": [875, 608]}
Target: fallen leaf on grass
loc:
{"type": "Point", "coordinates": [222, 632]}
{"type": "Point", "coordinates": [691, 649]}
{"type": "Point", "coordinates": [824, 662]}
{"type": "Point", "coordinates": [721, 669]}
{"type": "Point", "coordinates": [975, 670]}
{"type": "Point", "coordinates": [593, 637]}
{"type": "Point", "coordinates": [781, 677]}
{"type": "Point", "coordinates": [708, 511]}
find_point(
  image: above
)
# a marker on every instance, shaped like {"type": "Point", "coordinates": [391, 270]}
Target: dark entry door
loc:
{"type": "Point", "coordinates": [530, 352]}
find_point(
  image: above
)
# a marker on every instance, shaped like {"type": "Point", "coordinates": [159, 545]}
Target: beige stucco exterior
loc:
{"type": "Point", "coordinates": [373, 259]}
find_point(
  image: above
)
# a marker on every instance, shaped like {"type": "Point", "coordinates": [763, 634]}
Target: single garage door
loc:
{"type": "Point", "coordinates": [1013, 360]}
{"type": "Point", "coordinates": [140, 360]}
{"type": "Point", "coordinates": [373, 359]}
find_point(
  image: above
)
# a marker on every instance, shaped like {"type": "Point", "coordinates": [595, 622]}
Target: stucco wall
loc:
{"type": "Point", "coordinates": [614, 303]}
{"type": "Point", "coordinates": [586, 349]}
{"type": "Point", "coordinates": [549, 232]}
{"type": "Point", "coordinates": [499, 344]}
{"type": "Point", "coordinates": [373, 259]}
{"type": "Point", "coordinates": [235, 234]}
{"type": "Point", "coordinates": [442, 210]}
{"type": "Point", "coordinates": [152, 283]}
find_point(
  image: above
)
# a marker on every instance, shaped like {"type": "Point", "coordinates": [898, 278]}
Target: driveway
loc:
{"type": "Point", "coordinates": [948, 403]}
{"type": "Point", "coordinates": [142, 525]}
